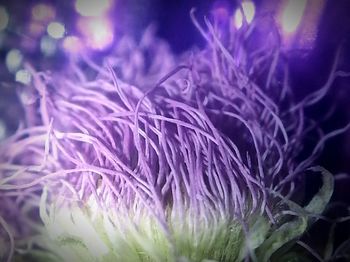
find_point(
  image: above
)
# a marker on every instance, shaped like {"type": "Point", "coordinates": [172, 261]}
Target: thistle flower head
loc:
{"type": "Point", "coordinates": [198, 165]}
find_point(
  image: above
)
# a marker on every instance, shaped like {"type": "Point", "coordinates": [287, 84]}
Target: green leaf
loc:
{"type": "Point", "coordinates": [256, 236]}
{"type": "Point", "coordinates": [323, 196]}
{"type": "Point", "coordinates": [292, 230]}
{"type": "Point", "coordinates": [282, 235]}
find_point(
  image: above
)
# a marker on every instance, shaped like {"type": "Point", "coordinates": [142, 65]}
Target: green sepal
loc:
{"type": "Point", "coordinates": [295, 228]}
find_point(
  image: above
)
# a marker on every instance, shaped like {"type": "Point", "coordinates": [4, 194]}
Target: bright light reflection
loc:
{"type": "Point", "coordinates": [43, 12]}
{"type": "Point", "coordinates": [248, 10]}
{"type": "Point", "coordinates": [97, 31]}
{"type": "Point", "coordinates": [292, 15]}
{"type": "Point", "coordinates": [92, 7]}
{"type": "Point", "coordinates": [23, 76]}
{"type": "Point", "coordinates": [13, 60]}
{"type": "Point", "coordinates": [4, 18]}
{"type": "Point", "coordinates": [56, 30]}
{"type": "Point", "coordinates": [238, 19]}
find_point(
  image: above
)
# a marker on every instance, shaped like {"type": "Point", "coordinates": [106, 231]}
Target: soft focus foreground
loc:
{"type": "Point", "coordinates": [152, 157]}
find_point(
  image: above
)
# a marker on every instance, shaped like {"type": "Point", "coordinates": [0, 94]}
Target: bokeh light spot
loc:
{"type": "Point", "coordinates": [98, 32]}
{"type": "Point", "coordinates": [238, 19]}
{"type": "Point", "coordinates": [23, 76]}
{"type": "Point", "coordinates": [72, 44]}
{"type": "Point", "coordinates": [43, 12]}
{"type": "Point", "coordinates": [248, 10]}
{"type": "Point", "coordinates": [13, 60]}
{"type": "Point", "coordinates": [48, 45]}
{"type": "Point", "coordinates": [4, 18]}
{"type": "Point", "coordinates": [26, 97]}
{"type": "Point", "coordinates": [292, 15]}
{"type": "Point", "coordinates": [56, 30]}
{"type": "Point", "coordinates": [92, 7]}
{"type": "Point", "coordinates": [247, 15]}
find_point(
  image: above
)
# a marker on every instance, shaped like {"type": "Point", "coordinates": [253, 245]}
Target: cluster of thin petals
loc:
{"type": "Point", "coordinates": [211, 133]}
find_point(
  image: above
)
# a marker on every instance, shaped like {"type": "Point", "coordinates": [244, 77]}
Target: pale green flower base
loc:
{"type": "Point", "coordinates": [77, 234]}
{"type": "Point", "coordinates": [74, 235]}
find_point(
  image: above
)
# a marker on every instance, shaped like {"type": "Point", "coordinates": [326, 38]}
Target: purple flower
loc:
{"type": "Point", "coordinates": [199, 165]}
